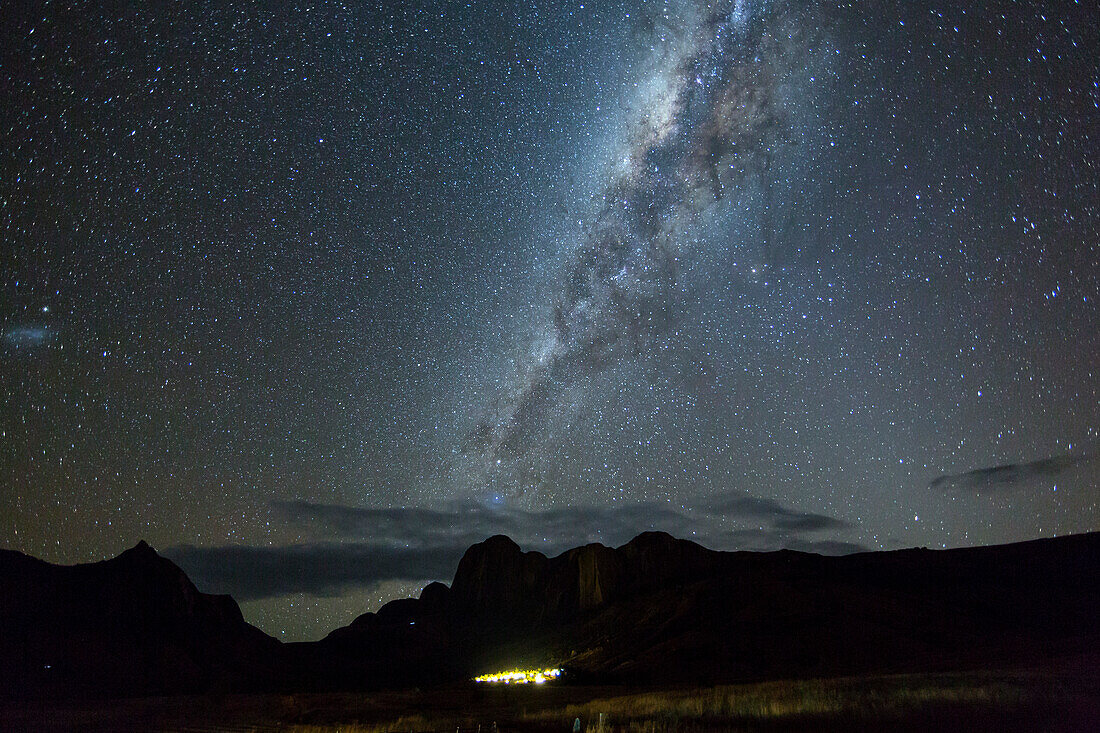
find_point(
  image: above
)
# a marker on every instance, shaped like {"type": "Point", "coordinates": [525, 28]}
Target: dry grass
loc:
{"type": "Point", "coordinates": [986, 701]}
{"type": "Point", "coordinates": [404, 723]}
{"type": "Point", "coordinates": [872, 699]}
{"type": "Point", "coordinates": [821, 704]}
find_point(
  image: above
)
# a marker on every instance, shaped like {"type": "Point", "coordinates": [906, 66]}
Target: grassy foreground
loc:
{"type": "Point", "coordinates": [973, 701]}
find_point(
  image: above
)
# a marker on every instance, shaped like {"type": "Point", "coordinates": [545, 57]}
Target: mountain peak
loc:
{"type": "Point", "coordinates": [495, 573]}
{"type": "Point", "coordinates": [500, 543]}
{"type": "Point", "coordinates": [652, 539]}
{"type": "Point", "coordinates": [141, 551]}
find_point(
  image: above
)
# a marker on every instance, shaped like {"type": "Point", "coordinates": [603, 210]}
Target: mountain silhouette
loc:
{"type": "Point", "coordinates": [660, 609]}
{"type": "Point", "coordinates": [655, 610]}
{"type": "Point", "coordinates": [134, 624]}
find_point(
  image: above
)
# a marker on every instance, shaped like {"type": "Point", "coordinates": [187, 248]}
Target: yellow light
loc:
{"type": "Point", "coordinates": [520, 676]}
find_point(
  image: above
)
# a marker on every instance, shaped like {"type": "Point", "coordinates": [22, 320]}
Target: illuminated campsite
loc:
{"type": "Point", "coordinates": [520, 677]}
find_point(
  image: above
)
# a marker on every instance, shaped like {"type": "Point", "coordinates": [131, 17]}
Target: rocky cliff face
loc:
{"type": "Point", "coordinates": [660, 609]}
{"type": "Point", "coordinates": [599, 575]}
{"type": "Point", "coordinates": [496, 574]}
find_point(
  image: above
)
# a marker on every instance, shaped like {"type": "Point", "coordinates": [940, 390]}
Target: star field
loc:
{"type": "Point", "coordinates": [349, 286]}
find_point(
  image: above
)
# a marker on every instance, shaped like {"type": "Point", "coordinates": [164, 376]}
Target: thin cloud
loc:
{"type": "Point", "coordinates": [364, 546]}
{"type": "Point", "coordinates": [469, 523]}
{"type": "Point", "coordinates": [565, 527]}
{"type": "Point", "coordinates": [1013, 476]}
{"type": "Point", "coordinates": [321, 569]}
{"type": "Point", "coordinates": [781, 517]}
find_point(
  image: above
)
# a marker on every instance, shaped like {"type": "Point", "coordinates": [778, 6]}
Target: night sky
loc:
{"type": "Point", "coordinates": [313, 299]}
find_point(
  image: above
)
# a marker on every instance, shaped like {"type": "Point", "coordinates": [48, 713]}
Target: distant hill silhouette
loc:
{"type": "Point", "coordinates": [656, 610]}
{"type": "Point", "coordinates": [134, 624]}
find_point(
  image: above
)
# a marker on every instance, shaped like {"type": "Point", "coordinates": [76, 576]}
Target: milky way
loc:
{"type": "Point", "coordinates": [710, 121]}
